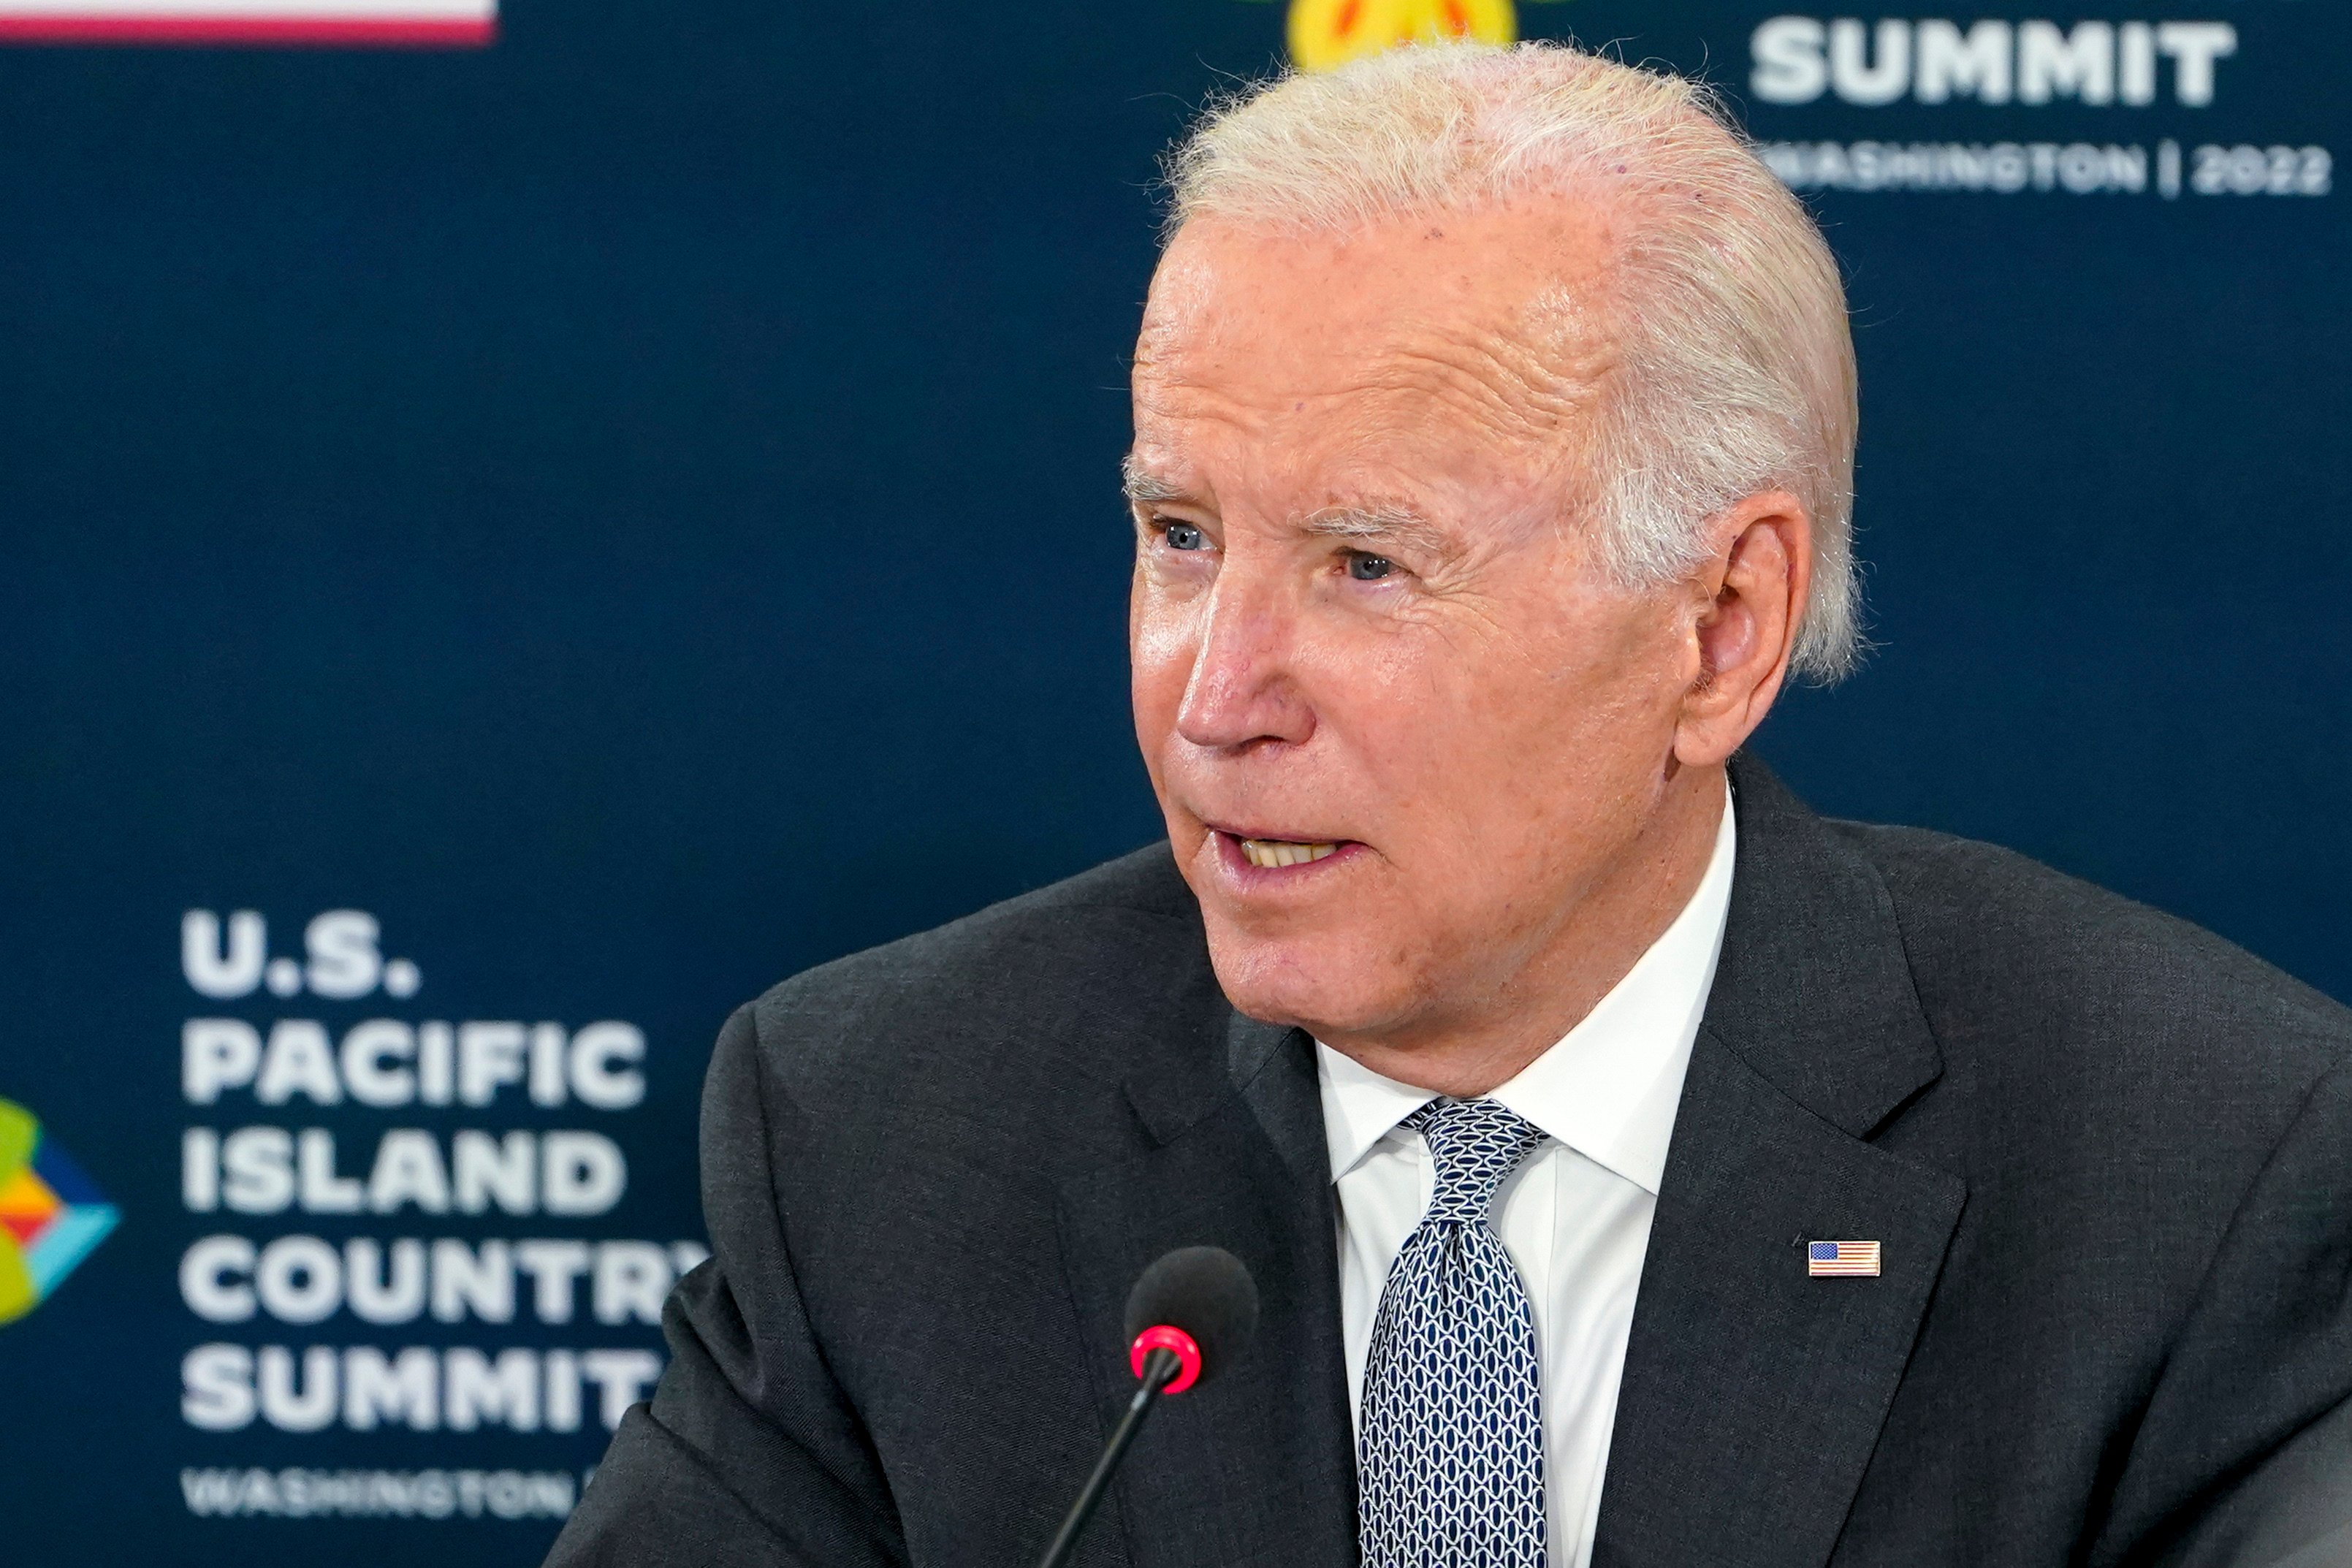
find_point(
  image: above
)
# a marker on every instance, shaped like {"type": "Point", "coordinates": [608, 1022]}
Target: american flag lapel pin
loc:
{"type": "Point", "coordinates": [1825, 1259]}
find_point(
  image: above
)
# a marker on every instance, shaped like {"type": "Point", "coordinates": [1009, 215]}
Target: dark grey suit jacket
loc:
{"type": "Point", "coordinates": [2108, 1154]}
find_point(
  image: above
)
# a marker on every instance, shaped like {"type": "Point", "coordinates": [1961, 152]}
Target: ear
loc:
{"type": "Point", "coordinates": [1745, 605]}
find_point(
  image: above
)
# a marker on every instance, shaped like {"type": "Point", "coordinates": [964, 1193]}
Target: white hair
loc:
{"type": "Point", "coordinates": [1727, 314]}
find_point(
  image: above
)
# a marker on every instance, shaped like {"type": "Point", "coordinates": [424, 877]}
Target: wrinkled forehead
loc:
{"type": "Point", "coordinates": [1502, 310]}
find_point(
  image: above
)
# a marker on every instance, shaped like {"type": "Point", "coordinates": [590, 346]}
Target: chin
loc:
{"type": "Point", "coordinates": [1328, 987]}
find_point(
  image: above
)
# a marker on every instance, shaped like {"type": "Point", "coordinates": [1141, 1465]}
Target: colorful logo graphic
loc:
{"type": "Point", "coordinates": [51, 1217]}
{"type": "Point", "coordinates": [1328, 34]}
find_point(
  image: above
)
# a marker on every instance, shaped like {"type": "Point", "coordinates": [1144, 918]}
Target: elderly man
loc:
{"type": "Point", "coordinates": [1636, 1169]}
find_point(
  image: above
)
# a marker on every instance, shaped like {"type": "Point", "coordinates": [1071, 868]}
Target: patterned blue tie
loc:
{"type": "Point", "coordinates": [1450, 1464]}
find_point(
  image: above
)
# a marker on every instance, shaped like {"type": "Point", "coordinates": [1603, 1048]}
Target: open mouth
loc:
{"type": "Point", "coordinates": [1266, 854]}
{"type": "Point", "coordinates": [1243, 850]}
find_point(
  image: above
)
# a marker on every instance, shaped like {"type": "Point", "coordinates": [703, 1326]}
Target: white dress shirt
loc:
{"type": "Point", "coordinates": [1575, 1216]}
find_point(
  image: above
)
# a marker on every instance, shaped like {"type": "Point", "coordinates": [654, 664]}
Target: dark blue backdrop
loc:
{"type": "Point", "coordinates": [634, 508]}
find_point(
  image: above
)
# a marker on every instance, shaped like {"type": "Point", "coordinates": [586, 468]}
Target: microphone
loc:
{"type": "Point", "coordinates": [1189, 1313]}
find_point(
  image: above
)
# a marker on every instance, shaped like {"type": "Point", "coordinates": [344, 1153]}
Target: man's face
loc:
{"type": "Point", "coordinates": [1402, 728]}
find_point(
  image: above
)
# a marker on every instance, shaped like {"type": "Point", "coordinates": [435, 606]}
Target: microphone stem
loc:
{"type": "Point", "coordinates": [1160, 1369]}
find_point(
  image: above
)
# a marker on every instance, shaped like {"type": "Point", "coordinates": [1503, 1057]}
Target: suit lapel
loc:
{"type": "Point", "coordinates": [1753, 1395]}
{"type": "Point", "coordinates": [1256, 1467]}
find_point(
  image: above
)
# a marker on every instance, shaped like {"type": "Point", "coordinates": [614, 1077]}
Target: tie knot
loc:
{"type": "Point", "coordinates": [1475, 1144]}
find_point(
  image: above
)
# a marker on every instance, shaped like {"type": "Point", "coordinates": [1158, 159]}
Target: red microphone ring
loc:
{"type": "Point", "coordinates": [1162, 1337]}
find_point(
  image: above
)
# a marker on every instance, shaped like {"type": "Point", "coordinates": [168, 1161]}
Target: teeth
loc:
{"type": "Point", "coordinates": [1269, 853]}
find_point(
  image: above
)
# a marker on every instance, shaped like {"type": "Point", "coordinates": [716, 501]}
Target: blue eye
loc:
{"type": "Point", "coordinates": [1370, 568]}
{"type": "Point", "coordinates": [1184, 536]}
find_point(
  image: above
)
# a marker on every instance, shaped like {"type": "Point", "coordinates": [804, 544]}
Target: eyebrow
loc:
{"type": "Point", "coordinates": [1390, 523]}
{"type": "Point", "coordinates": [1386, 524]}
{"type": "Point", "coordinates": [1142, 486]}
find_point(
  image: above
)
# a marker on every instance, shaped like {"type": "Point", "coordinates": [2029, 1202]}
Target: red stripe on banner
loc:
{"type": "Point", "coordinates": [319, 33]}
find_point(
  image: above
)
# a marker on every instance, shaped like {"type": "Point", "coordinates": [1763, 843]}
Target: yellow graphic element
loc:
{"type": "Point", "coordinates": [26, 1200]}
{"type": "Point", "coordinates": [18, 1295]}
{"type": "Point", "coordinates": [1327, 34]}
{"type": "Point", "coordinates": [26, 1207]}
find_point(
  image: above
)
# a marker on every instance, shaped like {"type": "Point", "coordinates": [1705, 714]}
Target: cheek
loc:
{"type": "Point", "coordinates": [1516, 745]}
{"type": "Point", "coordinates": [1159, 651]}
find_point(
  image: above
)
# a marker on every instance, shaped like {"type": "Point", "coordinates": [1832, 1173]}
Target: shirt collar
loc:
{"type": "Point", "coordinates": [1610, 1086]}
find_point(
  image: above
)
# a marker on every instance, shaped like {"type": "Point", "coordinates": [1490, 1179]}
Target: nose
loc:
{"type": "Point", "coordinates": [1244, 690]}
